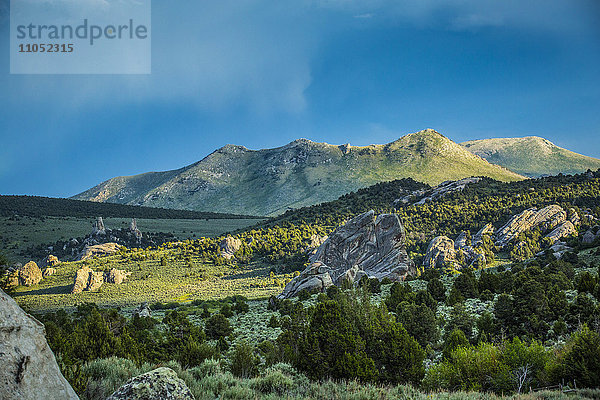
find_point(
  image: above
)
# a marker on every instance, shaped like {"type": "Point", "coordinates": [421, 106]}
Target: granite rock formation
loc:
{"type": "Point", "coordinates": [159, 384]}
{"type": "Point", "coordinates": [365, 246]}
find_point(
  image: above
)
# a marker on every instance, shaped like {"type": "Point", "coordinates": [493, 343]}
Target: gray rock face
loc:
{"type": "Point", "coordinates": [589, 236]}
{"type": "Point", "coordinates": [440, 253]}
{"type": "Point", "coordinates": [99, 250]}
{"type": "Point", "coordinates": [29, 274]}
{"type": "Point", "coordinates": [159, 384]}
{"type": "Point", "coordinates": [29, 369]}
{"type": "Point", "coordinates": [547, 218]}
{"type": "Point", "coordinates": [461, 241]}
{"type": "Point", "coordinates": [98, 227]}
{"type": "Point", "coordinates": [133, 229]}
{"type": "Point", "coordinates": [563, 230]}
{"type": "Point", "coordinates": [364, 246]}
{"type": "Point", "coordinates": [229, 246]}
{"type": "Point", "coordinates": [447, 187]}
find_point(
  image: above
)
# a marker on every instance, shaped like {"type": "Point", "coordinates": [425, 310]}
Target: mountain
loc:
{"type": "Point", "coordinates": [235, 179]}
{"type": "Point", "coordinates": [531, 156]}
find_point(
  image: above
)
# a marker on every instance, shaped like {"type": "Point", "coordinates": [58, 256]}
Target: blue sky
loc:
{"type": "Point", "coordinates": [263, 73]}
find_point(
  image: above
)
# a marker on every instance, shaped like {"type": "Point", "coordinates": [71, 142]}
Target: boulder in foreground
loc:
{"type": "Point", "coordinates": [159, 384]}
{"type": "Point", "coordinates": [29, 369]}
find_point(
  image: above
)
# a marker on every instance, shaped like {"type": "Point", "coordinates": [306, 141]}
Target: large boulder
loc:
{"type": "Point", "coordinates": [440, 253]}
{"type": "Point", "coordinates": [116, 276]}
{"type": "Point", "coordinates": [89, 280]}
{"type": "Point", "coordinates": [159, 384]}
{"type": "Point", "coordinates": [29, 274]}
{"type": "Point", "coordinates": [143, 310]}
{"type": "Point", "coordinates": [48, 272]}
{"type": "Point", "coordinates": [546, 219]}
{"type": "Point", "coordinates": [29, 369]}
{"type": "Point", "coordinates": [364, 246]}
{"type": "Point", "coordinates": [49, 261]}
{"type": "Point", "coordinates": [589, 236]}
{"type": "Point", "coordinates": [82, 276]}
{"type": "Point", "coordinates": [98, 250]}
{"type": "Point", "coordinates": [229, 246]}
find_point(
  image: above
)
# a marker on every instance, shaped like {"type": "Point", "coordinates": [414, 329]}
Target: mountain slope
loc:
{"type": "Point", "coordinates": [531, 156]}
{"type": "Point", "coordinates": [267, 182]}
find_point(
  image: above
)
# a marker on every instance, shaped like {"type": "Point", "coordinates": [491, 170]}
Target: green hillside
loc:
{"type": "Point", "coordinates": [531, 156]}
{"type": "Point", "coordinates": [235, 179]}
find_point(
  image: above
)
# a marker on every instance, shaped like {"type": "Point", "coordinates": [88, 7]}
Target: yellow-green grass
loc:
{"type": "Point", "coordinates": [179, 280]}
{"type": "Point", "coordinates": [17, 235]}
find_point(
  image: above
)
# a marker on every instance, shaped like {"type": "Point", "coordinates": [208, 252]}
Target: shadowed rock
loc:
{"type": "Point", "coordinates": [29, 369]}
{"type": "Point", "coordinates": [563, 230]}
{"type": "Point", "coordinates": [440, 253]}
{"type": "Point", "coordinates": [364, 246]}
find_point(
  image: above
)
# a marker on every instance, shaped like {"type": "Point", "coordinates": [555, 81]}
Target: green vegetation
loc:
{"type": "Point", "coordinates": [41, 207]}
{"type": "Point", "coordinates": [302, 173]}
{"type": "Point", "coordinates": [24, 238]}
{"type": "Point", "coordinates": [531, 156]}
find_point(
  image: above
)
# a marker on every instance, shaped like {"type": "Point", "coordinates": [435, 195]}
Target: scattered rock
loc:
{"type": "Point", "coordinates": [29, 274]}
{"type": "Point", "coordinates": [563, 230]}
{"type": "Point", "coordinates": [440, 253]}
{"type": "Point", "coordinates": [161, 383]}
{"type": "Point", "coordinates": [364, 246]}
{"type": "Point", "coordinates": [547, 218]}
{"type": "Point", "coordinates": [143, 310]}
{"type": "Point", "coordinates": [98, 227]}
{"type": "Point", "coordinates": [48, 271]}
{"type": "Point", "coordinates": [229, 246]}
{"type": "Point", "coordinates": [29, 369]}
{"type": "Point", "coordinates": [99, 250]}
{"type": "Point", "coordinates": [116, 276]}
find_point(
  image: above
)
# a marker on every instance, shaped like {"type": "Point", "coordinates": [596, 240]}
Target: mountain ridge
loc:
{"type": "Point", "coordinates": [532, 156]}
{"type": "Point", "coordinates": [234, 178]}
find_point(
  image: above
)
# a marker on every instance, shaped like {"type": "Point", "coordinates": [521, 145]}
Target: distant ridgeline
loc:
{"type": "Point", "coordinates": [35, 206]}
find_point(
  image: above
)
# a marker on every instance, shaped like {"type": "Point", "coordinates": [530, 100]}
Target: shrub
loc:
{"type": "Point", "coordinates": [217, 327]}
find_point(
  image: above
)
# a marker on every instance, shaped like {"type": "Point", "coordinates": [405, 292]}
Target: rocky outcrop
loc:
{"type": "Point", "coordinates": [547, 218]}
{"type": "Point", "coordinates": [143, 310]}
{"type": "Point", "coordinates": [29, 274]}
{"type": "Point", "coordinates": [461, 241]}
{"type": "Point", "coordinates": [48, 272]}
{"type": "Point", "coordinates": [98, 227]}
{"type": "Point", "coordinates": [89, 280]}
{"type": "Point", "coordinates": [487, 229]}
{"type": "Point", "coordinates": [440, 253]}
{"type": "Point", "coordinates": [49, 261]}
{"type": "Point", "coordinates": [134, 231]}
{"type": "Point", "coordinates": [116, 276]}
{"type": "Point", "coordinates": [229, 246]}
{"type": "Point", "coordinates": [563, 230]}
{"type": "Point", "coordinates": [589, 236]}
{"type": "Point", "coordinates": [364, 246]}
{"type": "Point", "coordinates": [159, 384]}
{"type": "Point", "coordinates": [446, 188]}
{"type": "Point", "coordinates": [98, 250]}
{"type": "Point", "coordinates": [29, 369]}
